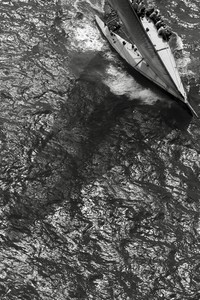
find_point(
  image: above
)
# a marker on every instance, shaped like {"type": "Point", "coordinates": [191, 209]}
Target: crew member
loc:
{"type": "Point", "coordinates": [155, 16]}
{"type": "Point", "coordinates": [149, 11]}
{"type": "Point", "coordinates": [165, 32]}
{"type": "Point", "coordinates": [141, 13]}
{"type": "Point", "coordinates": [159, 24]}
{"type": "Point", "coordinates": [116, 27]}
{"type": "Point", "coordinates": [135, 6]}
{"type": "Point", "coordinates": [162, 32]}
{"type": "Point", "coordinates": [168, 32]}
{"type": "Point", "coordinates": [141, 9]}
{"type": "Point", "coordinates": [141, 5]}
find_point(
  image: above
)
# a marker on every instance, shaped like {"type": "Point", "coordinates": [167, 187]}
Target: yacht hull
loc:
{"type": "Point", "coordinates": [153, 58]}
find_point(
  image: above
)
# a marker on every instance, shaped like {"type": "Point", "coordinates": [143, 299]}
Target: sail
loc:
{"type": "Point", "coordinates": [139, 36]}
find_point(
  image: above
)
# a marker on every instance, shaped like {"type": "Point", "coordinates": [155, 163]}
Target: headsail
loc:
{"type": "Point", "coordinates": [139, 36]}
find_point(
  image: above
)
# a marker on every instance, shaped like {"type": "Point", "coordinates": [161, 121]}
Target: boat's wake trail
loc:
{"type": "Point", "coordinates": [120, 83]}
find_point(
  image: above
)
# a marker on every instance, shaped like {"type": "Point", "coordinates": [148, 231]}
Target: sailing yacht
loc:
{"type": "Point", "coordinates": [145, 50]}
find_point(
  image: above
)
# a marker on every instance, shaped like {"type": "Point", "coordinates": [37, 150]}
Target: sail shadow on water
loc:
{"type": "Point", "coordinates": [181, 116]}
{"type": "Point", "coordinates": [87, 117]}
{"type": "Point", "coordinates": [106, 121]}
{"type": "Point", "coordinates": [135, 87]}
{"type": "Point", "coordinates": [173, 113]}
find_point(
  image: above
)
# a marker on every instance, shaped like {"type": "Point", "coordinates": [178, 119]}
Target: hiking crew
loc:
{"type": "Point", "coordinates": [154, 15]}
{"type": "Point", "coordinates": [165, 32]}
{"type": "Point", "coordinates": [159, 24]}
{"type": "Point", "coordinates": [149, 11]}
{"type": "Point", "coordinates": [139, 8]}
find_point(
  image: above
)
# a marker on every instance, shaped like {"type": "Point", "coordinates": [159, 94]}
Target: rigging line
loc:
{"type": "Point", "coordinates": [124, 32]}
{"type": "Point", "coordinates": [162, 49]}
{"type": "Point", "coordinates": [139, 62]}
{"type": "Point", "coordinates": [127, 36]}
{"type": "Point", "coordinates": [111, 20]}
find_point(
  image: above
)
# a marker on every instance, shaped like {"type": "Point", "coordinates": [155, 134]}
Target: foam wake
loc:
{"type": "Point", "coordinates": [121, 83]}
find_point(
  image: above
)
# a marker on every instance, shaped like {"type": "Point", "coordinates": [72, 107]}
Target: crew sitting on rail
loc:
{"type": "Point", "coordinates": [159, 24]}
{"type": "Point", "coordinates": [168, 32]}
{"type": "Point", "coordinates": [116, 27]}
{"type": "Point", "coordinates": [138, 7]}
{"type": "Point", "coordinates": [165, 32]}
{"type": "Point", "coordinates": [135, 5]}
{"type": "Point", "coordinates": [155, 16]}
{"type": "Point", "coordinates": [149, 11]}
{"type": "Point", "coordinates": [113, 26]}
{"type": "Point", "coordinates": [141, 13]}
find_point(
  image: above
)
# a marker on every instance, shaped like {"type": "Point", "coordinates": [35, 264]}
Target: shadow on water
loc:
{"type": "Point", "coordinates": [120, 222]}
{"type": "Point", "coordinates": [106, 109]}
{"type": "Point", "coordinates": [174, 112]}
{"type": "Point", "coordinates": [85, 120]}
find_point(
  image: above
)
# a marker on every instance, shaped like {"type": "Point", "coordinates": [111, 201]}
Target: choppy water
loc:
{"type": "Point", "coordinates": [99, 178]}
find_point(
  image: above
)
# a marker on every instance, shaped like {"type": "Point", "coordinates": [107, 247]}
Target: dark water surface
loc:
{"type": "Point", "coordinates": [99, 178]}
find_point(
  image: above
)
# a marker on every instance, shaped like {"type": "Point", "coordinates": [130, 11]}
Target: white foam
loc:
{"type": "Point", "coordinates": [86, 37]}
{"type": "Point", "coordinates": [120, 83]}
